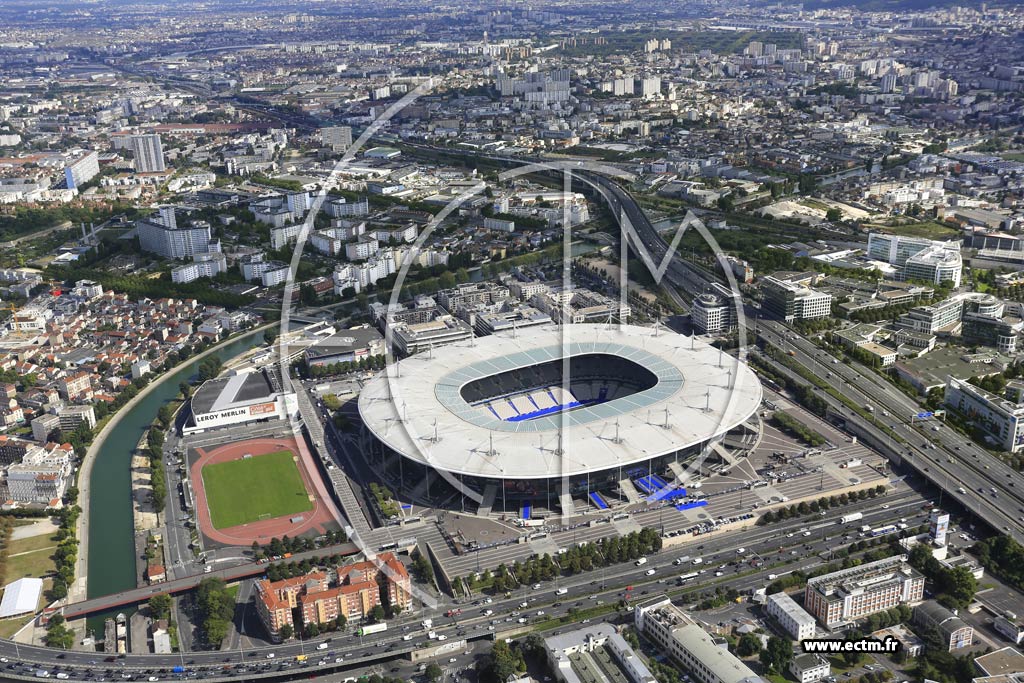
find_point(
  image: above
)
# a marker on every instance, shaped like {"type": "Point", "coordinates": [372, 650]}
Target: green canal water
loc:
{"type": "Point", "coordinates": [111, 524]}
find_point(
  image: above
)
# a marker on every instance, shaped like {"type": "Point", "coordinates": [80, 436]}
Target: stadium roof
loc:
{"type": "Point", "coordinates": [20, 597]}
{"type": "Point", "coordinates": [416, 407]}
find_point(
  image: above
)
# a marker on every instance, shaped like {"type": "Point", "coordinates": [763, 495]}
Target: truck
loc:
{"type": "Point", "coordinates": [641, 562]}
{"type": "Point", "coordinates": [373, 628]}
{"type": "Point", "coordinates": [178, 669]}
{"type": "Point", "coordinates": [866, 528]}
{"type": "Point", "coordinates": [561, 591]}
{"type": "Point", "coordinates": [868, 407]}
{"type": "Point", "coordinates": [852, 517]}
{"type": "Point", "coordinates": [682, 560]}
{"type": "Point", "coordinates": [453, 612]}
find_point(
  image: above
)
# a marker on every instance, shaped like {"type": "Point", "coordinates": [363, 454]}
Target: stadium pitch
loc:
{"type": "Point", "coordinates": [250, 489]}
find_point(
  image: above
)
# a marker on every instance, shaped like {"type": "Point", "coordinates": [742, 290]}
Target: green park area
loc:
{"type": "Point", "coordinates": [250, 489]}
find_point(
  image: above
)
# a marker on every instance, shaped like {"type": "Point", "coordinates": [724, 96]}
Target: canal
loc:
{"type": "Point", "coordinates": [111, 521]}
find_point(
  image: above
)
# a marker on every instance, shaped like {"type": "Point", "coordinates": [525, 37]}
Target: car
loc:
{"type": "Point", "coordinates": [322, 646]}
{"type": "Point", "coordinates": [270, 655]}
{"type": "Point", "coordinates": [452, 660]}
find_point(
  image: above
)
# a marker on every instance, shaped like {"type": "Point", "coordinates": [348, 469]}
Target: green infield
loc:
{"type": "Point", "coordinates": [251, 489]}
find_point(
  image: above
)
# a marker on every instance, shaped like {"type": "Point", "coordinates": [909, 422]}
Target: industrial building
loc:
{"type": "Point", "coordinates": [952, 630]}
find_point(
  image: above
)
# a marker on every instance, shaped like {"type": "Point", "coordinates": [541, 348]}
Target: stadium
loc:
{"type": "Point", "coordinates": [515, 417]}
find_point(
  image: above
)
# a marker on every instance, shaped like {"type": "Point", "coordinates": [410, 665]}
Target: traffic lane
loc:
{"type": "Point", "coordinates": [851, 372]}
{"type": "Point", "coordinates": [1006, 522]}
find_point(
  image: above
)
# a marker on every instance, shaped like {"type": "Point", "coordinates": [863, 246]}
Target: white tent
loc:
{"type": "Point", "coordinates": [20, 597]}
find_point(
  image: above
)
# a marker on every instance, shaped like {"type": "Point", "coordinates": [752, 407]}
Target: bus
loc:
{"type": "Point", "coordinates": [688, 577]}
{"type": "Point", "coordinates": [883, 530]}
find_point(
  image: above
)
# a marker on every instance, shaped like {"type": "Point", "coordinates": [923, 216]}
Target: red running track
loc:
{"type": "Point", "coordinates": [324, 511]}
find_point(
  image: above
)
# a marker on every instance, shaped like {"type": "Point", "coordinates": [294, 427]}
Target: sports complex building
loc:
{"type": "Point", "coordinates": [578, 411]}
{"type": "Point", "coordinates": [239, 398]}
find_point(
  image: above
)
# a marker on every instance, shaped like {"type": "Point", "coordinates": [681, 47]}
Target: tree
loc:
{"type": "Point", "coordinates": [777, 654]}
{"type": "Point", "coordinates": [433, 672]}
{"type": "Point", "coordinates": [834, 215]}
{"type": "Point", "coordinates": [160, 606]}
{"type": "Point", "coordinates": [286, 631]}
{"type": "Point", "coordinates": [58, 634]}
{"type": "Point", "coordinates": [376, 614]}
{"type": "Point", "coordinates": [749, 644]}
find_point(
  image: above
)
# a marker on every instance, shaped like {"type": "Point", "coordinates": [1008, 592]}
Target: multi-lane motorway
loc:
{"type": "Point", "coordinates": [980, 481]}
{"type": "Point", "coordinates": [783, 542]}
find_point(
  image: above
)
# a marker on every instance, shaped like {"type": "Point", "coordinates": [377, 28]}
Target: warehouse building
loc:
{"type": "Point", "coordinates": [243, 397]}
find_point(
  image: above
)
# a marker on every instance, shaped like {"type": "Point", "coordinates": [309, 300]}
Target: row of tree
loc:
{"type": "Point", "coordinates": [331, 369]}
{"type": "Point", "coordinates": [815, 506]}
{"type": "Point", "coordinates": [788, 424]}
{"type": "Point", "coordinates": [602, 553]}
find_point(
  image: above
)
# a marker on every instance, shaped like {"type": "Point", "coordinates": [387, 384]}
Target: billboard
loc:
{"type": "Point", "coordinates": [263, 409]}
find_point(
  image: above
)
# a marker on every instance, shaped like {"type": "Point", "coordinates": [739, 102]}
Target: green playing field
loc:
{"type": "Point", "coordinates": [250, 489]}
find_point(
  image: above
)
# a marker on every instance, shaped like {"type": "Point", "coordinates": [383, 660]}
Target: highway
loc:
{"type": "Point", "coordinates": [944, 456]}
{"type": "Point", "coordinates": [783, 542]}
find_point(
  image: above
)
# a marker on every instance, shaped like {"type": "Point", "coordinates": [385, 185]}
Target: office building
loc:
{"type": "Point", "coordinates": [1001, 419]}
{"type": "Point", "coordinates": [410, 338]}
{"type": "Point", "coordinates": [953, 631]}
{"type": "Point", "coordinates": [82, 170]}
{"type": "Point", "coordinates": [938, 526]}
{"type": "Point", "coordinates": [345, 346]}
{"type": "Point", "coordinates": [791, 301]}
{"type": "Point", "coordinates": [792, 617]}
{"type": "Point", "coordinates": [714, 312]}
{"type": "Point", "coordinates": [42, 427]}
{"type": "Point", "coordinates": [917, 257]}
{"type": "Point", "coordinates": [1010, 627]}
{"type": "Point", "coordinates": [942, 316]}
{"type": "Point", "coordinates": [677, 635]}
{"type": "Point", "coordinates": [850, 594]}
{"type": "Point", "coordinates": [148, 151]}
{"type": "Point", "coordinates": [595, 654]}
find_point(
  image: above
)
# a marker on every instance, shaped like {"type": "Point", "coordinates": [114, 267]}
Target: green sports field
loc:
{"type": "Point", "coordinates": [250, 489]}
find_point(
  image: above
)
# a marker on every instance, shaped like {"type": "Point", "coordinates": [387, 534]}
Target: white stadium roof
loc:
{"type": "Point", "coordinates": [20, 597]}
{"type": "Point", "coordinates": [416, 406]}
